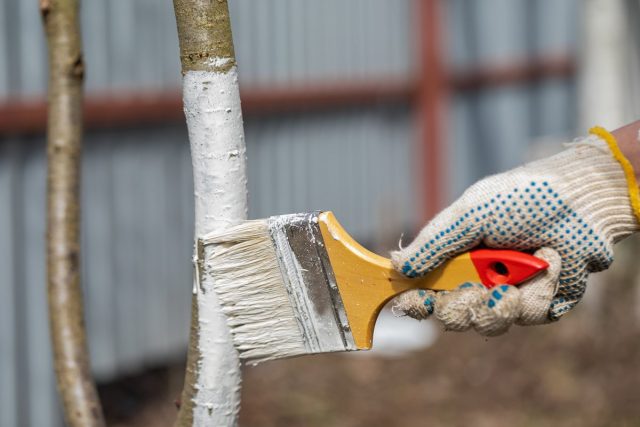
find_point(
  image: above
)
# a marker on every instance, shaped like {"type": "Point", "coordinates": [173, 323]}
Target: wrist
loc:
{"type": "Point", "coordinates": [628, 141]}
{"type": "Point", "coordinates": [628, 156]}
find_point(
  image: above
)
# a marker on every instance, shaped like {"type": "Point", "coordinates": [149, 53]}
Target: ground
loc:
{"type": "Point", "coordinates": [531, 377]}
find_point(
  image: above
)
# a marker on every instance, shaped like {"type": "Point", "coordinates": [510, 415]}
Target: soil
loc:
{"type": "Point", "coordinates": [566, 374]}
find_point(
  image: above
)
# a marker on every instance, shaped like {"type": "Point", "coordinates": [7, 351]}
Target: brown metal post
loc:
{"type": "Point", "coordinates": [432, 94]}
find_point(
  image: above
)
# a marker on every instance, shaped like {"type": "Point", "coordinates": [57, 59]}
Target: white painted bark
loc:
{"type": "Point", "coordinates": [214, 120]}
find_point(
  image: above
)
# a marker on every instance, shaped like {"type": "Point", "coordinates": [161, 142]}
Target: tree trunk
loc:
{"type": "Point", "coordinates": [64, 139]}
{"type": "Point", "coordinates": [211, 394]}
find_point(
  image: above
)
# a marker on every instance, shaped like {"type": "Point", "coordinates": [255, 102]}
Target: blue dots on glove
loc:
{"type": "Point", "coordinates": [524, 218]}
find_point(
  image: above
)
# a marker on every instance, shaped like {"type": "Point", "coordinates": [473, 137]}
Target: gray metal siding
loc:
{"type": "Point", "coordinates": [293, 41]}
{"type": "Point", "coordinates": [137, 246]}
{"type": "Point", "coordinates": [492, 32]}
{"type": "Point", "coordinates": [494, 130]}
{"type": "Point", "coordinates": [353, 163]}
{"type": "Point", "coordinates": [8, 323]}
{"type": "Point", "coordinates": [133, 45]}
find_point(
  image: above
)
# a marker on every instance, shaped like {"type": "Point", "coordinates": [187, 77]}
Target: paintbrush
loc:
{"type": "Point", "coordinates": [299, 284]}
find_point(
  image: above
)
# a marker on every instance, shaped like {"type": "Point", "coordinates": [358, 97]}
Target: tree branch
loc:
{"type": "Point", "coordinates": [64, 139]}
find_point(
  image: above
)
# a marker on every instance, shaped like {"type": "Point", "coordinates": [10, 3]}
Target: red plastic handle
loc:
{"type": "Point", "coordinates": [499, 267]}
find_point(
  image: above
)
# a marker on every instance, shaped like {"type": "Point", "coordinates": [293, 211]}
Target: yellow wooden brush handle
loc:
{"type": "Point", "coordinates": [367, 281]}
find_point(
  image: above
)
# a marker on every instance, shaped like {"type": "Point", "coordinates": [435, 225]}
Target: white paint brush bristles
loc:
{"type": "Point", "coordinates": [250, 286]}
{"type": "Point", "coordinates": [276, 286]}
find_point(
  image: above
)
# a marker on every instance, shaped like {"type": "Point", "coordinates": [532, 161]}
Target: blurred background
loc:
{"type": "Point", "coordinates": [380, 110]}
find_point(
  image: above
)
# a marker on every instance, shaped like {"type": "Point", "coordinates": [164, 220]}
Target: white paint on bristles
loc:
{"type": "Point", "coordinates": [216, 135]}
{"type": "Point", "coordinates": [254, 297]}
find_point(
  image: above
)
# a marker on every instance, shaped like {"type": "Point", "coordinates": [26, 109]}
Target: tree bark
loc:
{"type": "Point", "coordinates": [64, 138]}
{"type": "Point", "coordinates": [211, 394]}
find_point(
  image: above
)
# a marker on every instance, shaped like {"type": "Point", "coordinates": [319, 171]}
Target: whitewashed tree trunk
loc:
{"type": "Point", "coordinates": [211, 395]}
{"type": "Point", "coordinates": [214, 119]}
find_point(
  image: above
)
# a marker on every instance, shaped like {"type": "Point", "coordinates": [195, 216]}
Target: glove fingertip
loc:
{"type": "Point", "coordinates": [455, 309]}
{"type": "Point", "coordinates": [400, 261]}
{"type": "Point", "coordinates": [538, 293]}
{"type": "Point", "coordinates": [552, 257]}
{"type": "Point", "coordinates": [417, 304]}
{"type": "Point", "coordinates": [496, 315]}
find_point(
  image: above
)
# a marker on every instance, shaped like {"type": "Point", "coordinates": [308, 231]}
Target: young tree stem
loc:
{"type": "Point", "coordinates": [64, 139]}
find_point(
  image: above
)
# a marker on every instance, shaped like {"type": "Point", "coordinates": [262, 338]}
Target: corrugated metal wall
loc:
{"type": "Point", "coordinates": [492, 130]}
{"type": "Point", "coordinates": [137, 183]}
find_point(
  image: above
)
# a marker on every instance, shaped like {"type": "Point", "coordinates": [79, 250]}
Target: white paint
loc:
{"type": "Point", "coordinates": [216, 135]}
{"type": "Point", "coordinates": [249, 284]}
{"type": "Point", "coordinates": [217, 63]}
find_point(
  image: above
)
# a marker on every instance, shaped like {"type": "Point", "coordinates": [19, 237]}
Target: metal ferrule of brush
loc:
{"type": "Point", "coordinates": [310, 282]}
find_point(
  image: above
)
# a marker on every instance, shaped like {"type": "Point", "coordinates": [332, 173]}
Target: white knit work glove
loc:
{"type": "Point", "coordinates": [571, 208]}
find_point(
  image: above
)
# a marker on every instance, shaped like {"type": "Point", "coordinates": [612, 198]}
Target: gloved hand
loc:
{"type": "Point", "coordinates": [571, 207]}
